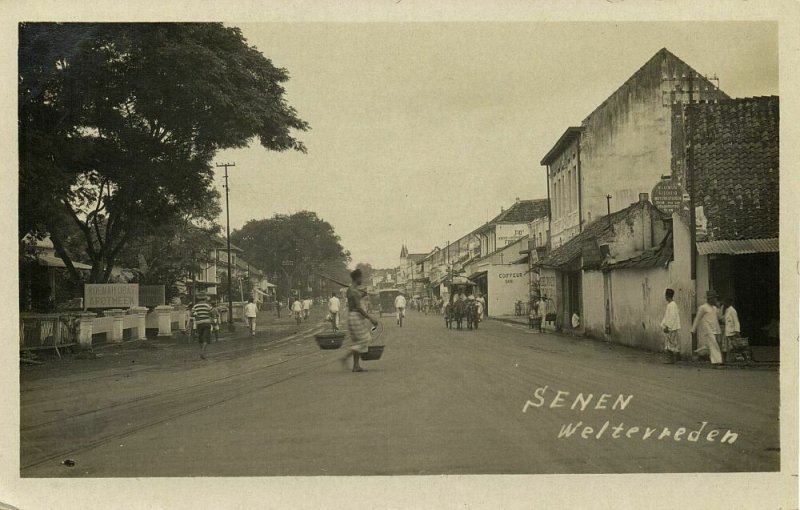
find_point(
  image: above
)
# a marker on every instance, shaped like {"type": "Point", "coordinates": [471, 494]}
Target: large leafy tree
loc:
{"type": "Point", "coordinates": [294, 247]}
{"type": "Point", "coordinates": [174, 252]}
{"type": "Point", "coordinates": [119, 124]}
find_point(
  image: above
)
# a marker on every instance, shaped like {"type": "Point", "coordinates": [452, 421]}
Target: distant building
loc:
{"type": "Point", "coordinates": [623, 147]}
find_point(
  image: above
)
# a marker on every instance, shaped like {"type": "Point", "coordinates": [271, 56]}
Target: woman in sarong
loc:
{"type": "Point", "coordinates": [358, 321]}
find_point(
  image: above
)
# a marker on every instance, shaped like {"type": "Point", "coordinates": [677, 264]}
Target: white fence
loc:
{"type": "Point", "coordinates": [52, 331]}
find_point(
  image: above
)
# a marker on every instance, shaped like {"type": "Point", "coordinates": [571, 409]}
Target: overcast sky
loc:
{"type": "Point", "coordinates": [421, 131]}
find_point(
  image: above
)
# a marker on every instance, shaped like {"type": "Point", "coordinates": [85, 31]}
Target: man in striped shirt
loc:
{"type": "Point", "coordinates": [203, 314]}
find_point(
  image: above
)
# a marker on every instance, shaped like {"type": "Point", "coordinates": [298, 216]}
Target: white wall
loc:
{"type": "Point", "coordinates": [506, 284]}
{"type": "Point", "coordinates": [680, 281]}
{"type": "Point", "coordinates": [510, 233]}
{"type": "Point", "coordinates": [594, 310]}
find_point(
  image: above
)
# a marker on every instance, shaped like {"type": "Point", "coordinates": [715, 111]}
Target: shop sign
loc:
{"type": "Point", "coordinates": [667, 196]}
{"type": "Point", "coordinates": [111, 295]}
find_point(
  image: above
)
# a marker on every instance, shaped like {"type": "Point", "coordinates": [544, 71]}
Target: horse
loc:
{"type": "Point", "coordinates": [459, 312]}
{"type": "Point", "coordinates": [472, 315]}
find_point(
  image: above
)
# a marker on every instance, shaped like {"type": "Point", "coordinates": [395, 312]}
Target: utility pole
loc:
{"type": "Point", "coordinates": [608, 204]}
{"type": "Point", "coordinates": [231, 327]}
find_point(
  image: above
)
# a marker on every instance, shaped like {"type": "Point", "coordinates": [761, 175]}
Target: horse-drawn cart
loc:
{"type": "Point", "coordinates": [459, 310]}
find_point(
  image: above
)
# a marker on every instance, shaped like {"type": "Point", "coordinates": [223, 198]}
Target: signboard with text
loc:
{"type": "Point", "coordinates": [111, 295]}
{"type": "Point", "coordinates": [667, 196]}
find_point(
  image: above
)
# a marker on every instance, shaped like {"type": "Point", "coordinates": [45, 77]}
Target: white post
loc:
{"type": "Point", "coordinates": [141, 325]}
{"type": "Point", "coordinates": [117, 325]}
{"type": "Point", "coordinates": [85, 320]}
{"type": "Point", "coordinates": [164, 314]}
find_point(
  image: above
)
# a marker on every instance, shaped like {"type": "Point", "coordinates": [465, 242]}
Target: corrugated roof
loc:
{"type": "Point", "coordinates": [738, 246]}
{"type": "Point", "coordinates": [733, 150]}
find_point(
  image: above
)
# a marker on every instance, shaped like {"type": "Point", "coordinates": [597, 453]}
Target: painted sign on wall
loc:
{"type": "Point", "coordinates": [111, 295]}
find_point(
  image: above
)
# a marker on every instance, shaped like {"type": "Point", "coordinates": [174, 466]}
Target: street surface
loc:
{"type": "Point", "coordinates": [438, 402]}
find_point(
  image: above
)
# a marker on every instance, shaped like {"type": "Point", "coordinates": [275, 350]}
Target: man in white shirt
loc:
{"type": "Point", "coordinates": [297, 310]}
{"type": "Point", "coordinates": [400, 306]}
{"type": "Point", "coordinates": [250, 313]}
{"type": "Point", "coordinates": [576, 320]}
{"type": "Point", "coordinates": [730, 318]}
{"type": "Point", "coordinates": [333, 310]}
{"type": "Point", "coordinates": [306, 307]}
{"type": "Point", "coordinates": [706, 325]}
{"type": "Point", "coordinates": [670, 325]}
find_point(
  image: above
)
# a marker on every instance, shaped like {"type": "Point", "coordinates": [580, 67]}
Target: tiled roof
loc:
{"type": "Point", "coordinates": [575, 247]}
{"type": "Point", "coordinates": [732, 148]}
{"type": "Point", "coordinates": [658, 256]}
{"type": "Point", "coordinates": [524, 211]}
{"type": "Point", "coordinates": [416, 257]}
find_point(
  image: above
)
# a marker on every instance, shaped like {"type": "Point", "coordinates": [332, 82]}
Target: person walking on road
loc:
{"type": "Point", "coordinates": [203, 315]}
{"type": "Point", "coordinates": [671, 325]}
{"type": "Point", "coordinates": [278, 306]}
{"type": "Point", "coordinates": [297, 310]}
{"type": "Point", "coordinates": [357, 321]}
{"type": "Point", "coordinates": [400, 307]}
{"type": "Point", "coordinates": [250, 314]}
{"type": "Point", "coordinates": [306, 308]}
{"type": "Point", "coordinates": [706, 325]}
{"type": "Point", "coordinates": [333, 311]}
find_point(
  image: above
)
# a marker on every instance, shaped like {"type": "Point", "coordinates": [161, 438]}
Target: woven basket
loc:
{"type": "Point", "coordinates": [375, 352]}
{"type": "Point", "coordinates": [329, 340]}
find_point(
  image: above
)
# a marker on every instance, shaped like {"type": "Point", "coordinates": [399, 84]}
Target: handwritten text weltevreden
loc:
{"type": "Point", "coordinates": [588, 402]}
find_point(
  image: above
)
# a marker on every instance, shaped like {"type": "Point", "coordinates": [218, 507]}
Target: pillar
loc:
{"type": "Point", "coordinates": [117, 325]}
{"type": "Point", "coordinates": [85, 320]}
{"type": "Point", "coordinates": [164, 314]}
{"type": "Point", "coordinates": [141, 323]}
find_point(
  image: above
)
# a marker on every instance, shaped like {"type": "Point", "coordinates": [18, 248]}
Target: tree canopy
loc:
{"type": "Point", "coordinates": [119, 123]}
{"type": "Point", "coordinates": [293, 247]}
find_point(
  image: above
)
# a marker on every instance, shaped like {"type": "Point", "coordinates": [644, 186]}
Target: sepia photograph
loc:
{"type": "Point", "coordinates": [340, 249]}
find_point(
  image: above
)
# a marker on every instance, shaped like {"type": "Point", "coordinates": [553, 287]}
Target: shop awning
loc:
{"type": "Point", "coordinates": [477, 275]}
{"type": "Point", "coordinates": [523, 260]}
{"type": "Point", "coordinates": [738, 246]}
{"type": "Point", "coordinates": [48, 260]}
{"type": "Point", "coordinates": [462, 280]}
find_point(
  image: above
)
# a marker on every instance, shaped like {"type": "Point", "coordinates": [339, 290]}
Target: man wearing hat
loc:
{"type": "Point", "coordinates": [706, 325]}
{"type": "Point", "coordinates": [203, 315]}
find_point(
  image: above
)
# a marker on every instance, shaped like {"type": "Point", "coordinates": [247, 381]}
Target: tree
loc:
{"type": "Point", "coordinates": [293, 246]}
{"type": "Point", "coordinates": [174, 252]}
{"type": "Point", "coordinates": [119, 124]}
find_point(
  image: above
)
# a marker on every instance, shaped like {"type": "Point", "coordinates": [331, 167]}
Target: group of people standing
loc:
{"type": "Point", "coordinates": [715, 328]}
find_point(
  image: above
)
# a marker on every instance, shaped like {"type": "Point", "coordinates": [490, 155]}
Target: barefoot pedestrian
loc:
{"type": "Point", "coordinates": [203, 315]}
{"type": "Point", "coordinates": [358, 321]}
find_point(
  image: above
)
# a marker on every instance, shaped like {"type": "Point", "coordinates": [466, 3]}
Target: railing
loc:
{"type": "Point", "coordinates": [47, 331]}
